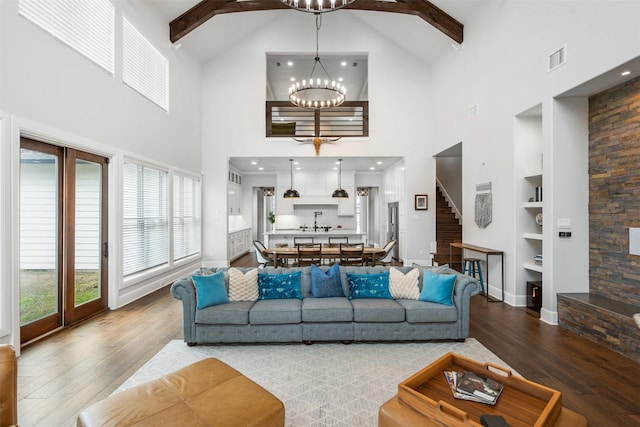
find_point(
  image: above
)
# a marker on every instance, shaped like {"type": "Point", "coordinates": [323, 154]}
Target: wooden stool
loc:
{"type": "Point", "coordinates": [471, 266]}
{"type": "Point", "coordinates": [205, 393]}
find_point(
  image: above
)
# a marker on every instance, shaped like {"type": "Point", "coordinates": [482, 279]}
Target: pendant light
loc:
{"type": "Point", "coordinates": [291, 193]}
{"type": "Point", "coordinates": [340, 192]}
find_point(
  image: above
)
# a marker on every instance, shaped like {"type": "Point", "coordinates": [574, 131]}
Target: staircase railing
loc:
{"type": "Point", "coordinates": [454, 208]}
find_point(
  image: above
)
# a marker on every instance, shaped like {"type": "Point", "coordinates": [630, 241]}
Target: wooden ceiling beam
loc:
{"type": "Point", "coordinates": [207, 9]}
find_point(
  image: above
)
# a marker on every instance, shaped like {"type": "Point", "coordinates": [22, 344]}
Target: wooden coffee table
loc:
{"type": "Point", "coordinates": [426, 399]}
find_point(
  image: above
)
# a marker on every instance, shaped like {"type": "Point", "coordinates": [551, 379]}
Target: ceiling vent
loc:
{"type": "Point", "coordinates": [557, 58]}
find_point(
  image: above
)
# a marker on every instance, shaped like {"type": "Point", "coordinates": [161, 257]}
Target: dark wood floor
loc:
{"type": "Point", "coordinates": [74, 368]}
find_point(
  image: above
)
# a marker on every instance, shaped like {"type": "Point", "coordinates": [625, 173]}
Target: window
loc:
{"type": "Point", "coordinates": [186, 216]}
{"type": "Point", "coordinates": [145, 225]}
{"type": "Point", "coordinates": [143, 67]}
{"type": "Point", "coordinates": [86, 26]}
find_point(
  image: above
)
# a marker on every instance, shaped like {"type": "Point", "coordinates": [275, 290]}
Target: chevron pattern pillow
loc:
{"type": "Point", "coordinates": [243, 287]}
{"type": "Point", "coordinates": [404, 286]}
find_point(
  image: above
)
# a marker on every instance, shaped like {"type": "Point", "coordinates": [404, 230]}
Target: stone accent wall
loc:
{"type": "Point", "coordinates": [614, 191]}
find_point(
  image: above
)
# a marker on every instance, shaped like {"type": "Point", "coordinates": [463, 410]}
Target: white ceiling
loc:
{"type": "Point", "coordinates": [273, 164]}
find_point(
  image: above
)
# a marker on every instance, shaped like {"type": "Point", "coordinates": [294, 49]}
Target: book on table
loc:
{"type": "Point", "coordinates": [470, 386]}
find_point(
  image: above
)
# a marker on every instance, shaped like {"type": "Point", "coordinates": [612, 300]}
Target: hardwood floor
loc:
{"type": "Point", "coordinates": [68, 371]}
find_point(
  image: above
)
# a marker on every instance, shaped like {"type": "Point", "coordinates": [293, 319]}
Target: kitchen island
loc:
{"type": "Point", "coordinates": [286, 236]}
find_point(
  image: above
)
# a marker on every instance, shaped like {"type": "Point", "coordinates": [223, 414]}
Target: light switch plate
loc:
{"type": "Point", "coordinates": [564, 223]}
{"type": "Point", "coordinates": [634, 241]}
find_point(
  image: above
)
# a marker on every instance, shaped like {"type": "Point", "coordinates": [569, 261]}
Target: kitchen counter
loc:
{"type": "Point", "coordinates": [271, 238]}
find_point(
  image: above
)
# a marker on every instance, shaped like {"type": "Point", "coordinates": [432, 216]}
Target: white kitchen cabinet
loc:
{"type": "Point", "coordinates": [239, 243]}
{"type": "Point", "coordinates": [234, 193]}
{"type": "Point", "coordinates": [347, 206]}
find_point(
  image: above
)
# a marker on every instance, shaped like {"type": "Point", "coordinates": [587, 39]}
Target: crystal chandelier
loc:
{"type": "Point", "coordinates": [317, 93]}
{"type": "Point", "coordinates": [317, 6]}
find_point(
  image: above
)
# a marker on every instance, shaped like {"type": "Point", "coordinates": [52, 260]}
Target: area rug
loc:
{"type": "Point", "coordinates": [324, 384]}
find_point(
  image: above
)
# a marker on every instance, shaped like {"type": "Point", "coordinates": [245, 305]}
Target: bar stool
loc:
{"type": "Point", "coordinates": [471, 266]}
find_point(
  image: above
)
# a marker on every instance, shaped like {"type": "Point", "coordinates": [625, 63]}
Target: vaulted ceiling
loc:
{"type": "Point", "coordinates": [207, 9]}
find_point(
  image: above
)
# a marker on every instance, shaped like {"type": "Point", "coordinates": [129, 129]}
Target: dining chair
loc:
{"type": "Point", "coordinates": [306, 240]}
{"type": "Point", "coordinates": [335, 241]}
{"type": "Point", "coordinates": [385, 258]}
{"type": "Point", "coordinates": [307, 254]}
{"type": "Point", "coordinates": [261, 254]}
{"type": "Point", "coordinates": [351, 253]}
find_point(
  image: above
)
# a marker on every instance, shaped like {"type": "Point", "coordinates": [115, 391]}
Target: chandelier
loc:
{"type": "Point", "coordinates": [317, 6]}
{"type": "Point", "coordinates": [317, 93]}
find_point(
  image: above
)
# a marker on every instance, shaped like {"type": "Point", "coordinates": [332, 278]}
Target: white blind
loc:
{"type": "Point", "coordinates": [143, 67]}
{"type": "Point", "coordinates": [145, 227]}
{"type": "Point", "coordinates": [186, 216]}
{"type": "Point", "coordinates": [87, 26]}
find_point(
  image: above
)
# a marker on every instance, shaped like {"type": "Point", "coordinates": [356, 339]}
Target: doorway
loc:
{"type": "Point", "coordinates": [63, 237]}
{"type": "Point", "coordinates": [393, 229]}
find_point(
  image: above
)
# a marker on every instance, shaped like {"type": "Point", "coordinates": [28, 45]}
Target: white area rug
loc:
{"type": "Point", "coordinates": [320, 384]}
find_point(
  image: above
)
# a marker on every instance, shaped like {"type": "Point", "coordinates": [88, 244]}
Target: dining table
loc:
{"type": "Point", "coordinates": [282, 253]}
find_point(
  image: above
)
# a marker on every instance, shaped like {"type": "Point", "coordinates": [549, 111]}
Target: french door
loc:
{"type": "Point", "coordinates": [63, 237]}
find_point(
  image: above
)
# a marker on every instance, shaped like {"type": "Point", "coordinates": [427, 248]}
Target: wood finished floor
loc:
{"type": "Point", "coordinates": [68, 371]}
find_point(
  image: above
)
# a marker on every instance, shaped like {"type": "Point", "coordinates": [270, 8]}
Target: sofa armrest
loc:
{"type": "Point", "coordinates": [184, 290]}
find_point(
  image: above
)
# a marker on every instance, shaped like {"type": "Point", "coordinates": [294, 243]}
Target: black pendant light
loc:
{"type": "Point", "coordinates": [291, 193]}
{"type": "Point", "coordinates": [340, 192]}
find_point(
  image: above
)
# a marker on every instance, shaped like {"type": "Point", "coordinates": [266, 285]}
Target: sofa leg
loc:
{"type": "Point", "coordinates": [346, 342]}
{"type": "Point", "coordinates": [192, 344]}
{"type": "Point", "coordinates": [460, 340]}
{"type": "Point", "coordinates": [307, 342]}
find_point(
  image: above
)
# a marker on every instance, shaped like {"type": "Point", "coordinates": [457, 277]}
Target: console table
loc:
{"type": "Point", "coordinates": [486, 252]}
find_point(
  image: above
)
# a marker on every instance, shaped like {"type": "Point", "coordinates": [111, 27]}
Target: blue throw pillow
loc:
{"type": "Point", "coordinates": [326, 284]}
{"type": "Point", "coordinates": [279, 286]}
{"type": "Point", "coordinates": [437, 287]}
{"type": "Point", "coordinates": [210, 290]}
{"type": "Point", "coordinates": [369, 285]}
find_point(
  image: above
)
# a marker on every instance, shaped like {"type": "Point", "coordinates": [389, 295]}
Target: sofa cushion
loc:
{"type": "Point", "coordinates": [279, 286]}
{"type": "Point", "coordinates": [326, 283]}
{"type": "Point", "coordinates": [210, 290]}
{"type": "Point", "coordinates": [331, 309]}
{"type": "Point", "coordinates": [403, 285]}
{"type": "Point", "coordinates": [374, 285]}
{"type": "Point", "coordinates": [437, 288]}
{"type": "Point", "coordinates": [428, 312]}
{"type": "Point", "coordinates": [276, 312]}
{"type": "Point", "coordinates": [243, 286]}
{"type": "Point", "coordinates": [233, 313]}
{"type": "Point", "coordinates": [377, 310]}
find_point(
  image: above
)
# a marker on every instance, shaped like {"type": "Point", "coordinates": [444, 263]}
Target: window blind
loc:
{"type": "Point", "coordinates": [86, 26]}
{"type": "Point", "coordinates": [144, 69]}
{"type": "Point", "coordinates": [186, 216]}
{"type": "Point", "coordinates": [145, 226]}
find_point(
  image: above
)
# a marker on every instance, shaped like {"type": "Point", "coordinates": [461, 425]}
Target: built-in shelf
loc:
{"type": "Point", "coordinates": [532, 205]}
{"type": "Point", "coordinates": [533, 267]}
{"type": "Point", "coordinates": [533, 174]}
{"type": "Point", "coordinates": [533, 236]}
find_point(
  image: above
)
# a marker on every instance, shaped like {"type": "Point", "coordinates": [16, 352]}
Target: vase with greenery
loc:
{"type": "Point", "coordinates": [271, 217]}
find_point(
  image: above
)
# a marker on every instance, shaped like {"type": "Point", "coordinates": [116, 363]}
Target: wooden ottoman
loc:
{"type": "Point", "coordinates": [206, 393]}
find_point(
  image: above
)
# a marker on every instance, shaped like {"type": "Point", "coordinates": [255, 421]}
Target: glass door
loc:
{"type": "Point", "coordinates": [63, 237]}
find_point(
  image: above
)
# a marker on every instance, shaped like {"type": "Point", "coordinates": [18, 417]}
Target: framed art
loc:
{"type": "Point", "coordinates": [421, 203]}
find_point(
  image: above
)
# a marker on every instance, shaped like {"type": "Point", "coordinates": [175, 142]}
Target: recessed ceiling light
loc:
{"type": "Point", "coordinates": [340, 79]}
{"type": "Point", "coordinates": [337, 163]}
{"type": "Point", "coordinates": [335, 168]}
{"type": "Point", "coordinates": [378, 162]}
{"type": "Point", "coordinates": [254, 163]}
{"type": "Point", "coordinates": [343, 63]}
{"type": "Point", "coordinates": [625, 73]}
{"type": "Point", "coordinates": [260, 168]}
{"type": "Point", "coordinates": [290, 63]}
{"type": "Point", "coordinates": [296, 163]}
{"type": "Point", "coordinates": [293, 79]}
{"type": "Point", "coordinates": [298, 168]}
{"type": "Point", "coordinates": [372, 168]}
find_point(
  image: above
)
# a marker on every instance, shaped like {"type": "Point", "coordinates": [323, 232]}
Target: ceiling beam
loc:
{"type": "Point", "coordinates": [207, 9]}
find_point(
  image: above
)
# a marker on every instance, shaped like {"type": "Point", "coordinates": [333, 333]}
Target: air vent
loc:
{"type": "Point", "coordinates": [557, 58]}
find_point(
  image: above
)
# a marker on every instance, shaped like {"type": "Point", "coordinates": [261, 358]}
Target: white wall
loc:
{"type": "Point", "coordinates": [502, 69]}
{"type": "Point", "coordinates": [51, 92]}
{"type": "Point", "coordinates": [234, 111]}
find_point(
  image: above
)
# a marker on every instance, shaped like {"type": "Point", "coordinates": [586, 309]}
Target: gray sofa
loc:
{"type": "Point", "coordinates": [326, 319]}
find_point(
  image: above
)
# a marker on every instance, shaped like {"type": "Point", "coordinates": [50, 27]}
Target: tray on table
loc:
{"type": "Point", "coordinates": [522, 402]}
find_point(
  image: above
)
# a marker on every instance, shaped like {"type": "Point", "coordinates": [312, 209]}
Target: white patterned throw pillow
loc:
{"type": "Point", "coordinates": [243, 287]}
{"type": "Point", "coordinates": [404, 286]}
